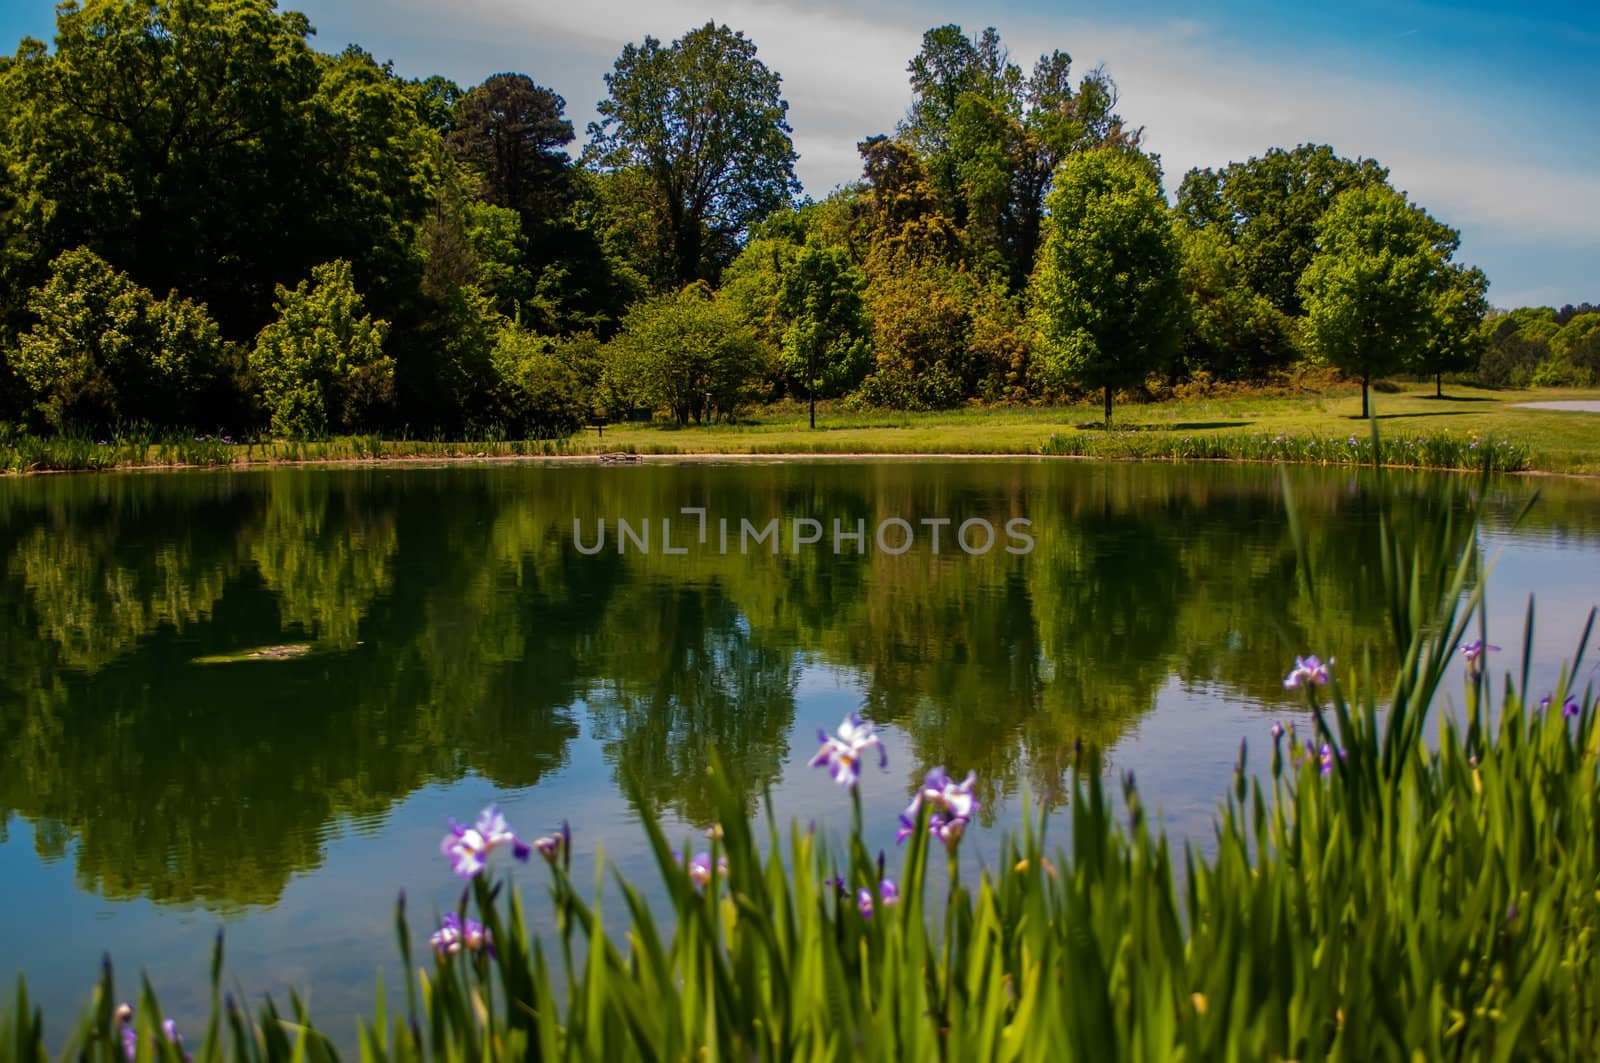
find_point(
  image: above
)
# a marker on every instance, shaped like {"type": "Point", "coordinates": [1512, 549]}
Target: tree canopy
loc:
{"type": "Point", "coordinates": [703, 121]}
{"type": "Point", "coordinates": [196, 157]}
{"type": "Point", "coordinates": [1107, 289]}
{"type": "Point", "coordinates": [1374, 287]}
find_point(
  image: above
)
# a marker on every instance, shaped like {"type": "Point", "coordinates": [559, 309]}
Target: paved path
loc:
{"type": "Point", "coordinates": [1581, 405]}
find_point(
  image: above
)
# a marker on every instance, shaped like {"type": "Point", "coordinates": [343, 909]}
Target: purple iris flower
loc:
{"type": "Point", "coordinates": [130, 1034]}
{"type": "Point", "coordinates": [888, 895]}
{"type": "Point", "coordinates": [1570, 708]}
{"type": "Point", "coordinates": [1309, 671]}
{"type": "Point", "coordinates": [952, 803]}
{"type": "Point", "coordinates": [454, 935]}
{"type": "Point", "coordinates": [553, 846]}
{"type": "Point", "coordinates": [842, 752]}
{"type": "Point", "coordinates": [700, 868]}
{"type": "Point", "coordinates": [1277, 730]}
{"type": "Point", "coordinates": [468, 848]}
{"type": "Point", "coordinates": [1326, 756]}
{"type": "Point", "coordinates": [1474, 650]}
{"type": "Point", "coordinates": [947, 829]}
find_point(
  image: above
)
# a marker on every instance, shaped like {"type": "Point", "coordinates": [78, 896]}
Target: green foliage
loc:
{"type": "Point", "coordinates": [320, 365]}
{"type": "Point", "coordinates": [1268, 207]}
{"type": "Point", "coordinates": [1455, 340]}
{"type": "Point", "coordinates": [204, 147]}
{"type": "Point", "coordinates": [1230, 331]}
{"type": "Point", "coordinates": [539, 394]}
{"type": "Point", "coordinates": [104, 352]}
{"type": "Point", "coordinates": [991, 139]}
{"type": "Point", "coordinates": [1106, 292]}
{"type": "Point", "coordinates": [510, 133]}
{"type": "Point", "coordinates": [1441, 450]}
{"type": "Point", "coordinates": [1515, 345]}
{"type": "Point", "coordinates": [921, 324]}
{"type": "Point", "coordinates": [825, 345]}
{"type": "Point", "coordinates": [1373, 290]}
{"type": "Point", "coordinates": [687, 352]}
{"type": "Point", "coordinates": [702, 122]}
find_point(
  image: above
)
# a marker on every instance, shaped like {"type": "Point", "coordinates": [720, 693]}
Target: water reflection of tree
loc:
{"type": "Point", "coordinates": [455, 629]}
{"type": "Point", "coordinates": [686, 674]}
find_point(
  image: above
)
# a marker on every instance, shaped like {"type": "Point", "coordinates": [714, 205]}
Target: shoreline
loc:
{"type": "Point", "coordinates": [744, 457]}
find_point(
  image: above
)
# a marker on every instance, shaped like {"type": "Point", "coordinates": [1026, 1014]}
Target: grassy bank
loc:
{"type": "Point", "coordinates": [1373, 894]}
{"type": "Point", "coordinates": [1420, 430]}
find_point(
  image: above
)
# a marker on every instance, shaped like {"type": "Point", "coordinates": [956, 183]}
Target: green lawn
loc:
{"type": "Point", "coordinates": [1418, 429]}
{"type": "Point", "coordinates": [1560, 441]}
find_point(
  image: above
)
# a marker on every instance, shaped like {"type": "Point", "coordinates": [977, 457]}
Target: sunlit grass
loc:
{"type": "Point", "coordinates": [1228, 427]}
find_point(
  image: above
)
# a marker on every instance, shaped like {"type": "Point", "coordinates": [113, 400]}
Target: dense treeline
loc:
{"type": "Point", "coordinates": [206, 223]}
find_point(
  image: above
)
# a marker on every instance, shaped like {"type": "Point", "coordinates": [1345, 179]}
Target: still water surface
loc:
{"type": "Point", "coordinates": [435, 639]}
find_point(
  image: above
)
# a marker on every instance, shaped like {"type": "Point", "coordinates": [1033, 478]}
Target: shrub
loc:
{"type": "Point", "coordinates": [105, 352]}
{"type": "Point", "coordinates": [321, 366]}
{"type": "Point", "coordinates": [688, 352]}
{"type": "Point", "coordinates": [538, 393]}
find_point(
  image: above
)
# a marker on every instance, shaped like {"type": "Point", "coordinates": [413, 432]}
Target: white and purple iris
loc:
{"type": "Point", "coordinates": [468, 848]}
{"type": "Point", "coordinates": [456, 935]}
{"type": "Point", "coordinates": [130, 1033]}
{"type": "Point", "coordinates": [1473, 652]}
{"type": "Point", "coordinates": [952, 806]}
{"type": "Point", "coordinates": [700, 868]}
{"type": "Point", "coordinates": [843, 751]}
{"type": "Point", "coordinates": [1308, 671]}
{"type": "Point", "coordinates": [888, 896]}
{"type": "Point", "coordinates": [555, 846]}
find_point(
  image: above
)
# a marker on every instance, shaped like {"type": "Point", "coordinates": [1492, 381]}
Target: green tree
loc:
{"type": "Point", "coordinates": [1269, 208]}
{"type": "Point", "coordinates": [1515, 343]}
{"type": "Point", "coordinates": [1456, 339]}
{"type": "Point", "coordinates": [321, 366]}
{"type": "Point", "coordinates": [1373, 289]}
{"type": "Point", "coordinates": [687, 352]}
{"type": "Point", "coordinates": [991, 139]}
{"type": "Point", "coordinates": [510, 133]}
{"type": "Point", "coordinates": [826, 343]}
{"type": "Point", "coordinates": [703, 121]}
{"type": "Point", "coordinates": [1107, 291]}
{"type": "Point", "coordinates": [203, 146]}
{"type": "Point", "coordinates": [538, 393]}
{"type": "Point", "coordinates": [1230, 331]}
{"type": "Point", "coordinates": [104, 352]}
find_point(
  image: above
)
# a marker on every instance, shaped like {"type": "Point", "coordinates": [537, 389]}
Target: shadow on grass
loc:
{"type": "Point", "coordinates": [1418, 413]}
{"type": "Point", "coordinates": [1174, 426]}
{"type": "Point", "coordinates": [1459, 398]}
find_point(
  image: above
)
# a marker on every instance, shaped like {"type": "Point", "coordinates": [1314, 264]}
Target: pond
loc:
{"type": "Point", "coordinates": [252, 700]}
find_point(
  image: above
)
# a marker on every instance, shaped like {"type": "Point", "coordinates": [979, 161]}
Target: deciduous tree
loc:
{"type": "Point", "coordinates": [1373, 290]}
{"type": "Point", "coordinates": [703, 121]}
{"type": "Point", "coordinates": [1106, 292]}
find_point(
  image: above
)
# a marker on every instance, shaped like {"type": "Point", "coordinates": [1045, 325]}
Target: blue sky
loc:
{"type": "Point", "coordinates": [1485, 113]}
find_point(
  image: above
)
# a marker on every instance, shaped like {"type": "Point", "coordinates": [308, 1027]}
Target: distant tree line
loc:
{"type": "Point", "coordinates": [207, 224]}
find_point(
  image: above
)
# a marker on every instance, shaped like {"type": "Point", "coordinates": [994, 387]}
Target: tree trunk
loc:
{"type": "Point", "coordinates": [1438, 385]}
{"type": "Point", "coordinates": [1108, 408]}
{"type": "Point", "coordinates": [1363, 397]}
{"type": "Point", "coordinates": [811, 383]}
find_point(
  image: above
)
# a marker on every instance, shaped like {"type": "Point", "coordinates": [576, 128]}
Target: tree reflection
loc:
{"type": "Point", "coordinates": [455, 630]}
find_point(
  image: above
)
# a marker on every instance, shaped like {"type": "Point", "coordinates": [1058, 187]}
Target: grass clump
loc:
{"type": "Point", "coordinates": [1439, 451]}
